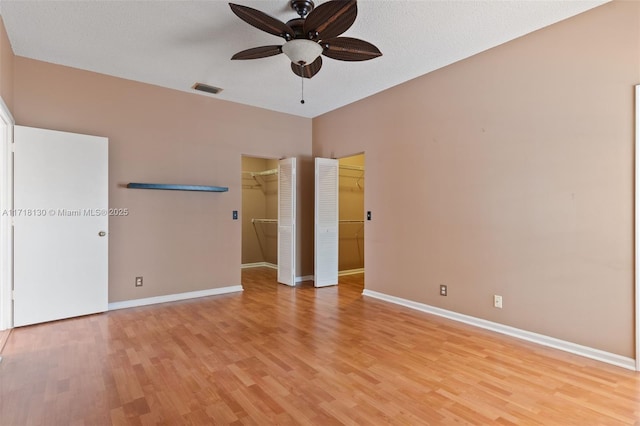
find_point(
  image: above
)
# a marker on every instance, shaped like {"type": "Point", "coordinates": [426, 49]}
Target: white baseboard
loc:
{"type": "Point", "coordinates": [273, 266]}
{"type": "Point", "coordinates": [259, 265]}
{"type": "Point", "coordinates": [173, 297]}
{"type": "Point", "coordinates": [351, 272]}
{"type": "Point", "coordinates": [529, 336]}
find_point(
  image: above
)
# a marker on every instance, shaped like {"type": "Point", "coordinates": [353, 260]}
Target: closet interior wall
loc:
{"type": "Point", "coordinates": [259, 211]}
{"type": "Point", "coordinates": [351, 217]}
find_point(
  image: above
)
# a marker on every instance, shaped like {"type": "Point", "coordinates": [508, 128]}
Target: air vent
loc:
{"type": "Point", "coordinates": [206, 88]}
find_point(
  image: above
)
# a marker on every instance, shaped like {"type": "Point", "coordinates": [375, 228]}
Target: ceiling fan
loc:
{"type": "Point", "coordinates": [308, 38]}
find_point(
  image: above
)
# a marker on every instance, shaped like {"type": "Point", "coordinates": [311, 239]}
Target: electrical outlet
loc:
{"type": "Point", "coordinates": [497, 301]}
{"type": "Point", "coordinates": [138, 281]}
{"type": "Point", "coordinates": [234, 215]}
{"type": "Point", "coordinates": [443, 290]}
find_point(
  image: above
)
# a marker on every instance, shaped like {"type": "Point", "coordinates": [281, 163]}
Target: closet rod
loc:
{"type": "Point", "coordinates": [350, 167]}
{"type": "Point", "coordinates": [263, 173]}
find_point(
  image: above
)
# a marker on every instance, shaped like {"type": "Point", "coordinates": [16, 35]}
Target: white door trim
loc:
{"type": "Point", "coordinates": [636, 223]}
{"type": "Point", "coordinates": [6, 227]}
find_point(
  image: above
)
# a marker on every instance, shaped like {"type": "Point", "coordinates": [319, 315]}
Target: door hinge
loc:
{"type": "Point", "coordinates": [13, 295]}
{"type": "Point", "coordinates": [13, 147]}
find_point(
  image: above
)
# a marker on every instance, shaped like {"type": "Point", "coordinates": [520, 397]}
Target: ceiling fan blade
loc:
{"type": "Point", "coordinates": [258, 52]}
{"type": "Point", "coordinates": [349, 49]}
{"type": "Point", "coordinates": [262, 21]}
{"type": "Point", "coordinates": [307, 71]}
{"type": "Point", "coordinates": [330, 19]}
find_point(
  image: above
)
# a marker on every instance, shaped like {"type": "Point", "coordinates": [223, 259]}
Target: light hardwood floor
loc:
{"type": "Point", "coordinates": [280, 355]}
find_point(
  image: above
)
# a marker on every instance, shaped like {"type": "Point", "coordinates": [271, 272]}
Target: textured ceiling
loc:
{"type": "Point", "coordinates": [177, 43]}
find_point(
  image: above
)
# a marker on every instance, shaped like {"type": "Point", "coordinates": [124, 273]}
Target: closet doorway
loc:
{"type": "Point", "coordinates": [351, 215]}
{"type": "Point", "coordinates": [259, 212]}
{"type": "Point", "coordinates": [339, 219]}
{"type": "Point", "coordinates": [269, 216]}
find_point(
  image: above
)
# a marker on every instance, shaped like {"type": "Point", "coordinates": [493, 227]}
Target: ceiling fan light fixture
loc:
{"type": "Point", "coordinates": [302, 51]}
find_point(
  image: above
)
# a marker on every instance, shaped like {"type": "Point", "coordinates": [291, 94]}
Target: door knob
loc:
{"type": "Point", "coordinates": [102, 233]}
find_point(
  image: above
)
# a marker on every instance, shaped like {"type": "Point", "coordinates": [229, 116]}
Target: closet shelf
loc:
{"type": "Point", "coordinates": [350, 167]}
{"type": "Point", "coordinates": [262, 173]}
{"type": "Point", "coordinates": [177, 187]}
{"type": "Point", "coordinates": [264, 220]}
{"type": "Point", "coordinates": [259, 177]}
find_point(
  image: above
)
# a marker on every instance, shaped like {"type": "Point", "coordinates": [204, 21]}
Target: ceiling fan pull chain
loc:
{"type": "Point", "coordinates": [301, 85]}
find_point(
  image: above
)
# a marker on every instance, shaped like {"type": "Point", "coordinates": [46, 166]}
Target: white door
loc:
{"type": "Point", "coordinates": [61, 225]}
{"type": "Point", "coordinates": [287, 221]}
{"type": "Point", "coordinates": [326, 223]}
{"type": "Point", "coordinates": [6, 226]}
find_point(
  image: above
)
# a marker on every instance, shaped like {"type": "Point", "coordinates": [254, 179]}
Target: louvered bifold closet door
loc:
{"type": "Point", "coordinates": [326, 223]}
{"type": "Point", "coordinates": [287, 221]}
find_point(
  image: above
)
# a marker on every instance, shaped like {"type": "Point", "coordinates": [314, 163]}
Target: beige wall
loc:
{"type": "Point", "coordinates": [509, 173]}
{"type": "Point", "coordinates": [6, 68]}
{"type": "Point", "coordinates": [179, 241]}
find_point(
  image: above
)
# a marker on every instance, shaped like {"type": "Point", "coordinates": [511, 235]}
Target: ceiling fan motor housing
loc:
{"type": "Point", "coordinates": [302, 7]}
{"type": "Point", "coordinates": [297, 25]}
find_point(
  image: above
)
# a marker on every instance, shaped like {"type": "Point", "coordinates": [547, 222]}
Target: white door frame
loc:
{"type": "Point", "coordinates": [6, 226]}
{"type": "Point", "coordinates": [636, 197]}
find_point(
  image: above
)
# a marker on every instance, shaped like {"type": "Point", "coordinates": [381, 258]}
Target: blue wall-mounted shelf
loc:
{"type": "Point", "coordinates": [174, 187]}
